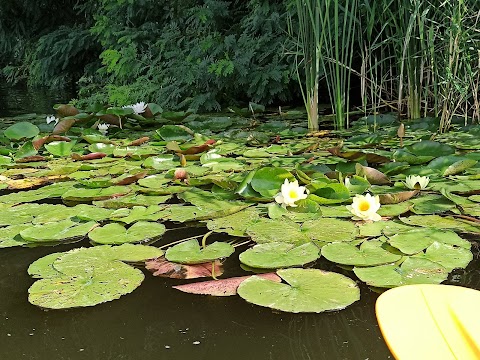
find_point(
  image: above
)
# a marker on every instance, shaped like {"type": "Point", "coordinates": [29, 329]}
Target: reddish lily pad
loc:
{"type": "Point", "coordinates": [223, 287]}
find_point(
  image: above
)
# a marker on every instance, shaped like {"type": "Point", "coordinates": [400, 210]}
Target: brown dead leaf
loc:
{"type": "Point", "coordinates": [387, 199]}
{"type": "Point", "coordinates": [67, 110]}
{"type": "Point", "coordinates": [63, 126]}
{"type": "Point", "coordinates": [358, 155]}
{"type": "Point", "coordinates": [28, 183]}
{"type": "Point", "coordinates": [131, 179]}
{"type": "Point", "coordinates": [33, 158]}
{"type": "Point", "coordinates": [223, 287]}
{"type": "Point", "coordinates": [373, 176]}
{"type": "Point", "coordinates": [91, 156]}
{"type": "Point", "coordinates": [163, 268]}
{"type": "Point", "coordinates": [37, 144]}
{"type": "Point", "coordinates": [139, 141]}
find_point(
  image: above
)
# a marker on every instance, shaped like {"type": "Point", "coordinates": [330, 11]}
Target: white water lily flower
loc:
{"type": "Point", "coordinates": [290, 192]}
{"type": "Point", "coordinates": [103, 128]}
{"type": "Point", "coordinates": [416, 182]}
{"type": "Point", "coordinates": [52, 118]}
{"type": "Point", "coordinates": [365, 207]}
{"type": "Point", "coordinates": [137, 108]}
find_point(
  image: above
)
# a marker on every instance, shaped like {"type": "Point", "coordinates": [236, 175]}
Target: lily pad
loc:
{"type": "Point", "coordinates": [450, 257]}
{"type": "Point", "coordinates": [235, 224]}
{"type": "Point", "coordinates": [60, 148]}
{"type": "Point", "coordinates": [189, 252]}
{"type": "Point", "coordinates": [137, 213]}
{"type": "Point", "coordinates": [411, 271]}
{"type": "Point", "coordinates": [113, 280]}
{"type": "Point", "coordinates": [266, 231]}
{"type": "Point", "coordinates": [414, 241]}
{"type": "Point", "coordinates": [307, 290]}
{"type": "Point", "coordinates": [276, 255]}
{"type": "Point", "coordinates": [267, 181]}
{"type": "Point", "coordinates": [117, 234]}
{"type": "Point", "coordinates": [222, 287]}
{"type": "Point", "coordinates": [21, 130]}
{"type": "Point", "coordinates": [329, 230]}
{"type": "Point", "coordinates": [163, 268]}
{"type": "Point", "coordinates": [439, 222]}
{"type": "Point", "coordinates": [370, 253]}
{"type": "Point", "coordinates": [56, 231]}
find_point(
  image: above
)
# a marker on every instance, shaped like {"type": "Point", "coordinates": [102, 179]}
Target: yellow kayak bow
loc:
{"type": "Point", "coordinates": [438, 322]}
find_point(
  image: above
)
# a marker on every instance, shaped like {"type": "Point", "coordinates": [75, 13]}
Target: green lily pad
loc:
{"type": "Point", "coordinates": [117, 234]}
{"type": "Point", "coordinates": [56, 231]}
{"type": "Point", "coordinates": [267, 231]}
{"type": "Point", "coordinates": [307, 290]}
{"type": "Point", "coordinates": [161, 162]}
{"type": "Point", "coordinates": [9, 236]}
{"type": "Point", "coordinates": [21, 130]}
{"type": "Point", "coordinates": [137, 213]}
{"type": "Point", "coordinates": [431, 204]}
{"type": "Point", "coordinates": [276, 255]}
{"type": "Point", "coordinates": [414, 241]}
{"type": "Point", "coordinates": [108, 283]}
{"type": "Point", "coordinates": [439, 222]}
{"type": "Point", "coordinates": [154, 181]}
{"type": "Point", "coordinates": [329, 230]}
{"type": "Point", "coordinates": [267, 181]}
{"type": "Point", "coordinates": [60, 148]}
{"type": "Point", "coordinates": [450, 257]}
{"type": "Point", "coordinates": [173, 132]}
{"type": "Point", "coordinates": [130, 201]}
{"type": "Point", "coordinates": [411, 271]}
{"type": "Point", "coordinates": [102, 148]}
{"type": "Point", "coordinates": [430, 148]}
{"type": "Point", "coordinates": [189, 252]}
{"type": "Point", "coordinates": [43, 267]}
{"type": "Point", "coordinates": [85, 194]}
{"type": "Point", "coordinates": [371, 253]}
{"type": "Point", "coordinates": [331, 194]}
{"type": "Point", "coordinates": [235, 224]}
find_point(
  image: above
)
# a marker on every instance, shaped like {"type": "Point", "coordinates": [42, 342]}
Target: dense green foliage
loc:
{"type": "Point", "coordinates": [414, 57]}
{"type": "Point", "coordinates": [178, 54]}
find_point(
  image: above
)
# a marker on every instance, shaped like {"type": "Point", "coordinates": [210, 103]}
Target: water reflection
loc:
{"type": "Point", "coordinates": [19, 99]}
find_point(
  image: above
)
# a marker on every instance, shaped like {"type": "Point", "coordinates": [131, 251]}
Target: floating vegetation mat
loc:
{"type": "Point", "coordinates": [389, 211]}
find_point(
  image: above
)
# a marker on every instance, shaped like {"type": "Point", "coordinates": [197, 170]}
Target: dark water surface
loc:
{"type": "Point", "coordinates": [156, 322]}
{"type": "Point", "coordinates": [19, 99]}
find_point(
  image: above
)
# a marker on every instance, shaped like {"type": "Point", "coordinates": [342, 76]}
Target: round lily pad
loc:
{"type": "Point", "coordinates": [56, 231]}
{"type": "Point", "coordinates": [60, 148]}
{"type": "Point", "coordinates": [370, 253]}
{"type": "Point", "coordinates": [414, 241]}
{"type": "Point", "coordinates": [279, 255]}
{"type": "Point", "coordinates": [21, 130]}
{"type": "Point", "coordinates": [268, 180]}
{"type": "Point", "coordinates": [411, 271]}
{"type": "Point", "coordinates": [107, 283]}
{"type": "Point", "coordinates": [117, 234]}
{"type": "Point", "coordinates": [451, 257]}
{"type": "Point", "coordinates": [306, 290]}
{"type": "Point", "coordinates": [189, 252]}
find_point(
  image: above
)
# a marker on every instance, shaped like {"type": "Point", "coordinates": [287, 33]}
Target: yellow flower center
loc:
{"type": "Point", "coordinates": [293, 194]}
{"type": "Point", "coordinates": [364, 206]}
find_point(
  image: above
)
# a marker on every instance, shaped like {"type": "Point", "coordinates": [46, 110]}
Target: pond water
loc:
{"type": "Point", "coordinates": [158, 322]}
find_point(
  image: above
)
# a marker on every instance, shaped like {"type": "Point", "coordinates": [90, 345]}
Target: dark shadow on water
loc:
{"type": "Point", "coordinates": [19, 99]}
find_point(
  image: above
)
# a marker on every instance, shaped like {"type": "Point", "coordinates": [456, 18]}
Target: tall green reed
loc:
{"type": "Point", "coordinates": [325, 43]}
